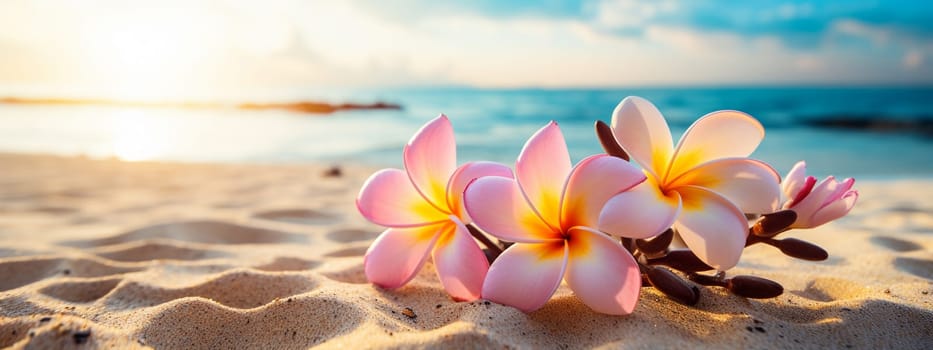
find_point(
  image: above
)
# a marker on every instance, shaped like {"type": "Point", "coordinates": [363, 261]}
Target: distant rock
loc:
{"type": "Point", "coordinates": [886, 124]}
{"type": "Point", "coordinates": [319, 107]}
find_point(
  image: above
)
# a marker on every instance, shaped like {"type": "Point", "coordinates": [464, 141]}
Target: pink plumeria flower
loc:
{"type": "Point", "coordinates": [701, 188]}
{"type": "Point", "coordinates": [423, 208]}
{"type": "Point", "coordinates": [817, 204]}
{"type": "Point", "coordinates": [551, 211]}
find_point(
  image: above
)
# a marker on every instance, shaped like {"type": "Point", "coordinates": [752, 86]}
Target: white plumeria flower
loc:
{"type": "Point", "coordinates": [550, 211]}
{"type": "Point", "coordinates": [422, 206]}
{"type": "Point", "coordinates": [702, 187]}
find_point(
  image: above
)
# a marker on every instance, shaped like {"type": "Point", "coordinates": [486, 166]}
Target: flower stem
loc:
{"type": "Point", "coordinates": [608, 141]}
{"type": "Point", "coordinates": [707, 280]}
{"type": "Point", "coordinates": [628, 244]}
{"type": "Point", "coordinates": [493, 247]}
{"type": "Point", "coordinates": [753, 239]}
{"type": "Point", "coordinates": [670, 284]}
{"type": "Point", "coordinates": [682, 260]}
{"type": "Point", "coordinates": [773, 224]}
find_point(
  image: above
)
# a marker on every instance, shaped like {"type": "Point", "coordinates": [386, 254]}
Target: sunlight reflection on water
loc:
{"type": "Point", "coordinates": [136, 134]}
{"type": "Point", "coordinates": [490, 125]}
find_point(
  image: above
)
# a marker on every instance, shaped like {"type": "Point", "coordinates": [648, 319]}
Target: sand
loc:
{"type": "Point", "coordinates": [103, 253]}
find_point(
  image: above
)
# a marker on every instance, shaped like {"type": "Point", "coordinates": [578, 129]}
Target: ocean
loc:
{"type": "Point", "coordinates": [868, 132]}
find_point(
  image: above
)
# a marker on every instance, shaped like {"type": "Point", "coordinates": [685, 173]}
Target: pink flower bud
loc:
{"type": "Point", "coordinates": [817, 203]}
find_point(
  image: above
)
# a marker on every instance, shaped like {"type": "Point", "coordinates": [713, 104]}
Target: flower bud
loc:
{"type": "Point", "coordinates": [817, 203]}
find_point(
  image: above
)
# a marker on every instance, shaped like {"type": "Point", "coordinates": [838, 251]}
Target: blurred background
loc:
{"type": "Point", "coordinates": [845, 85]}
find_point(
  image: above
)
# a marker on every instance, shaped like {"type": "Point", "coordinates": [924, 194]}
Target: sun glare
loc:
{"type": "Point", "coordinates": [138, 136]}
{"type": "Point", "coordinates": [145, 60]}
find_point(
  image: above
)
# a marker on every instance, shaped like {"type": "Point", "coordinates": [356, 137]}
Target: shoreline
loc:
{"type": "Point", "coordinates": [136, 254]}
{"type": "Point", "coordinates": [360, 163]}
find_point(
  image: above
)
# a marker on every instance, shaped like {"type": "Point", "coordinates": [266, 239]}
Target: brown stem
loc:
{"type": "Point", "coordinates": [707, 280]}
{"type": "Point", "coordinates": [629, 244]}
{"type": "Point", "coordinates": [792, 247]}
{"type": "Point", "coordinates": [753, 239]}
{"type": "Point", "coordinates": [657, 244]}
{"type": "Point", "coordinates": [671, 284]}
{"type": "Point", "coordinates": [608, 141]}
{"type": "Point", "coordinates": [774, 223]}
{"type": "Point", "coordinates": [682, 260]}
{"type": "Point", "coordinates": [800, 249]}
{"type": "Point", "coordinates": [493, 247]}
{"type": "Point", "coordinates": [754, 287]}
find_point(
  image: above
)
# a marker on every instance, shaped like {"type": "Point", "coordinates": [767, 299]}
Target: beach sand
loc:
{"type": "Point", "coordinates": [104, 253]}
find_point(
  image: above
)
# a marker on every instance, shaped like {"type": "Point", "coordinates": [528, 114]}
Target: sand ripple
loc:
{"type": "Point", "coordinates": [296, 323]}
{"type": "Point", "coordinates": [266, 257]}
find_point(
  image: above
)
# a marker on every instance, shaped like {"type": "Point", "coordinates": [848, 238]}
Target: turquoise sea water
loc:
{"type": "Point", "coordinates": [863, 132]}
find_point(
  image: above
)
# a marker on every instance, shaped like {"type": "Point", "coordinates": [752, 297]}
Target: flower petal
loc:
{"type": "Point", "coordinates": [398, 253]}
{"type": "Point", "coordinates": [712, 227]}
{"type": "Point", "coordinates": [526, 275]}
{"type": "Point", "coordinates": [497, 206]}
{"type": "Point", "coordinates": [642, 131]}
{"type": "Point", "coordinates": [461, 264]}
{"type": "Point", "coordinates": [794, 180]}
{"type": "Point", "coordinates": [821, 194]}
{"type": "Point", "coordinates": [808, 183]}
{"type": "Point", "coordinates": [388, 198]}
{"type": "Point", "coordinates": [752, 185]}
{"type": "Point", "coordinates": [641, 212]}
{"type": "Point", "coordinates": [463, 176]}
{"type": "Point", "coordinates": [834, 210]}
{"type": "Point", "coordinates": [602, 273]}
{"type": "Point", "coordinates": [592, 182]}
{"type": "Point", "coordinates": [542, 170]}
{"type": "Point", "coordinates": [722, 134]}
{"type": "Point", "coordinates": [431, 158]}
{"type": "Point", "coordinates": [844, 187]}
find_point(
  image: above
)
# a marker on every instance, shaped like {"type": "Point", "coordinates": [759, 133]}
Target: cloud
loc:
{"type": "Point", "coordinates": [809, 63]}
{"type": "Point", "coordinates": [231, 43]}
{"type": "Point", "coordinates": [913, 60]}
{"type": "Point", "coordinates": [485, 43]}
{"type": "Point", "coordinates": [629, 14]}
{"type": "Point", "coordinates": [876, 35]}
{"type": "Point", "coordinates": [416, 10]}
{"type": "Point", "coordinates": [693, 41]}
{"type": "Point", "coordinates": [791, 10]}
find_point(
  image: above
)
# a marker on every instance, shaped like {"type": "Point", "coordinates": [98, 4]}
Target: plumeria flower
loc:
{"type": "Point", "coordinates": [701, 187]}
{"type": "Point", "coordinates": [817, 204]}
{"type": "Point", "coordinates": [551, 212]}
{"type": "Point", "coordinates": [423, 208]}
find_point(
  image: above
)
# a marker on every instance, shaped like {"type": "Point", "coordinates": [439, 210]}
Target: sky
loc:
{"type": "Point", "coordinates": [152, 48]}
